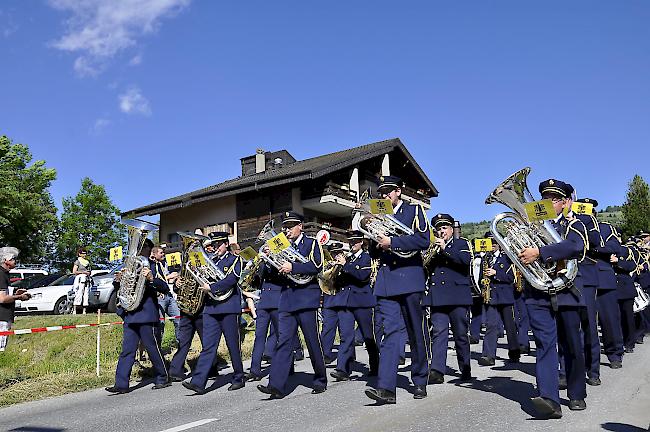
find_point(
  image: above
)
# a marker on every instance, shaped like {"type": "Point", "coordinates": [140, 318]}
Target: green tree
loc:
{"type": "Point", "coordinates": [636, 210]}
{"type": "Point", "coordinates": [90, 220]}
{"type": "Point", "coordinates": [27, 213]}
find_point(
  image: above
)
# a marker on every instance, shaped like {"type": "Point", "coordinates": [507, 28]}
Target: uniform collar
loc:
{"type": "Point", "coordinates": [398, 206]}
{"type": "Point", "coordinates": [224, 255]}
{"type": "Point", "coordinates": [298, 240]}
{"type": "Point", "coordinates": [358, 254]}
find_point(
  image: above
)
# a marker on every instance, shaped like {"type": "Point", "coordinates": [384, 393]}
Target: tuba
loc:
{"type": "Point", "coordinates": [132, 282]}
{"type": "Point", "coordinates": [289, 254]}
{"type": "Point", "coordinates": [520, 233]}
{"type": "Point", "coordinates": [202, 269]}
{"type": "Point", "coordinates": [375, 225]}
{"type": "Point", "coordinates": [188, 294]}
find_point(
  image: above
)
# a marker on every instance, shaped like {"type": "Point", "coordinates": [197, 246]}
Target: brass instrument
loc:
{"type": "Point", "coordinates": [519, 280]}
{"type": "Point", "coordinates": [246, 280]}
{"type": "Point", "coordinates": [203, 270]}
{"type": "Point", "coordinates": [374, 270]}
{"type": "Point", "coordinates": [289, 254]}
{"type": "Point", "coordinates": [132, 282]}
{"type": "Point", "coordinates": [189, 296]}
{"type": "Point", "coordinates": [331, 270]}
{"type": "Point", "coordinates": [485, 280]}
{"type": "Point", "coordinates": [427, 256]}
{"type": "Point", "coordinates": [520, 233]}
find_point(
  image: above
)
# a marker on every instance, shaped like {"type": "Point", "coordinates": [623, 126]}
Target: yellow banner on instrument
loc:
{"type": "Point", "coordinates": [540, 210]}
{"type": "Point", "coordinates": [483, 245]}
{"type": "Point", "coordinates": [197, 259]}
{"type": "Point", "coordinates": [115, 254]}
{"type": "Point", "coordinates": [278, 243]}
{"type": "Point", "coordinates": [582, 208]}
{"type": "Point", "coordinates": [173, 259]}
{"type": "Point", "coordinates": [381, 206]}
{"type": "Point", "coordinates": [432, 236]}
{"type": "Point", "coordinates": [248, 253]}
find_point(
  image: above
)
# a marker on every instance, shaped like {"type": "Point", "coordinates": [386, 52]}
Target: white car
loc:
{"type": "Point", "coordinates": [52, 298]}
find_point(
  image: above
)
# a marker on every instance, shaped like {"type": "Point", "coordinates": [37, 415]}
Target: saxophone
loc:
{"type": "Point", "coordinates": [132, 282]}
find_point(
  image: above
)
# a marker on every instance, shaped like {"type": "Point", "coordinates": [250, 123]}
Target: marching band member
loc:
{"type": "Point", "coordinates": [624, 263]}
{"type": "Point", "coordinates": [555, 317]}
{"type": "Point", "coordinates": [298, 308]}
{"type": "Point", "coordinates": [221, 317]}
{"type": "Point", "coordinates": [399, 286]}
{"type": "Point", "coordinates": [499, 274]}
{"type": "Point", "coordinates": [140, 325]}
{"type": "Point", "coordinates": [354, 302]}
{"type": "Point", "coordinates": [450, 298]}
{"type": "Point", "coordinates": [329, 316]}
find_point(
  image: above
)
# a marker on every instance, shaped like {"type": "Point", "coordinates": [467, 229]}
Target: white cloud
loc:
{"type": "Point", "coordinates": [136, 60]}
{"type": "Point", "coordinates": [132, 102]}
{"type": "Point", "coordinates": [100, 125]}
{"type": "Point", "coordinates": [100, 29]}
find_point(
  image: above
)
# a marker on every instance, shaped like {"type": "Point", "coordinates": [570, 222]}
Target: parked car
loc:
{"type": "Point", "coordinates": [51, 298]}
{"type": "Point", "coordinates": [36, 281]}
{"type": "Point", "coordinates": [20, 273]}
{"type": "Point", "coordinates": [102, 293]}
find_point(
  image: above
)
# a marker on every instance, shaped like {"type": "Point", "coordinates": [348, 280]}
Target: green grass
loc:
{"type": "Point", "coordinates": [40, 365]}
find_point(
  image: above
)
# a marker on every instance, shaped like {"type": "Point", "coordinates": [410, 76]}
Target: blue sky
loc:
{"type": "Point", "coordinates": [157, 98]}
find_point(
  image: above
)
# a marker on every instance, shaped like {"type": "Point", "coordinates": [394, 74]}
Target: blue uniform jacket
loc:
{"type": "Point", "coordinates": [588, 266]}
{"type": "Point", "coordinates": [502, 283]}
{"type": "Point", "coordinates": [399, 275]}
{"type": "Point", "coordinates": [147, 311]}
{"type": "Point", "coordinates": [295, 297]}
{"type": "Point", "coordinates": [354, 284]}
{"type": "Point", "coordinates": [449, 282]}
{"type": "Point", "coordinates": [611, 246]}
{"type": "Point", "coordinates": [573, 246]}
{"type": "Point", "coordinates": [625, 265]}
{"type": "Point", "coordinates": [272, 282]}
{"type": "Point", "coordinates": [231, 266]}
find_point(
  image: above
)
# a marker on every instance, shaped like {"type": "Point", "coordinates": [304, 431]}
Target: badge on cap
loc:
{"type": "Point", "coordinates": [551, 182]}
{"type": "Point", "coordinates": [381, 178]}
{"type": "Point", "coordinates": [286, 214]}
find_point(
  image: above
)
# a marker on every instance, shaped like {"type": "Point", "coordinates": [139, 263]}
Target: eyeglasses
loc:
{"type": "Point", "coordinates": [289, 226]}
{"type": "Point", "coordinates": [557, 200]}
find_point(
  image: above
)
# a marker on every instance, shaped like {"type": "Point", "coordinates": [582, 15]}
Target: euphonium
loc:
{"type": "Point", "coordinates": [376, 225]}
{"type": "Point", "coordinates": [331, 270]}
{"type": "Point", "coordinates": [188, 294]}
{"type": "Point", "coordinates": [289, 254]}
{"type": "Point", "coordinates": [132, 282]}
{"type": "Point", "coordinates": [247, 279]}
{"type": "Point", "coordinates": [202, 269]}
{"type": "Point", "coordinates": [520, 233]}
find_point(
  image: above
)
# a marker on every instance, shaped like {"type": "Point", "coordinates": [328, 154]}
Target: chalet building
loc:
{"type": "Point", "coordinates": [324, 189]}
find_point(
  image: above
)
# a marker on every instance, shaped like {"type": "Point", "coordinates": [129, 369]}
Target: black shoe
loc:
{"type": "Point", "coordinates": [486, 361]}
{"type": "Point", "coordinates": [236, 386]}
{"type": "Point", "coordinates": [340, 375]}
{"type": "Point", "coordinates": [473, 340]}
{"type": "Point", "coordinates": [615, 364]}
{"type": "Point", "coordinates": [466, 375]}
{"type": "Point", "coordinates": [639, 340]}
{"type": "Point", "coordinates": [318, 390]}
{"type": "Point", "coordinates": [402, 361]}
{"type": "Point", "coordinates": [249, 376]}
{"type": "Point", "coordinates": [196, 389]}
{"type": "Point", "coordinates": [563, 383]}
{"type": "Point", "coordinates": [162, 385]}
{"type": "Point", "coordinates": [577, 404]}
{"type": "Point", "coordinates": [299, 355]}
{"type": "Point", "coordinates": [275, 393]}
{"type": "Point", "coordinates": [514, 355]}
{"type": "Point", "coordinates": [116, 390]}
{"type": "Point", "coordinates": [357, 343]}
{"type": "Point", "coordinates": [329, 360]}
{"type": "Point", "coordinates": [420, 392]}
{"type": "Point", "coordinates": [593, 381]}
{"type": "Point", "coordinates": [547, 408]}
{"type": "Point", "coordinates": [292, 369]}
{"type": "Point", "coordinates": [382, 396]}
{"type": "Point", "coordinates": [176, 378]}
{"type": "Point", "coordinates": [373, 372]}
{"type": "Point", "coordinates": [629, 350]}
{"type": "Point", "coordinates": [436, 377]}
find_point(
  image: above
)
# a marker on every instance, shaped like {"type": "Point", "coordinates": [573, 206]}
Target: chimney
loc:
{"type": "Point", "coordinates": [277, 163]}
{"type": "Point", "coordinates": [260, 161]}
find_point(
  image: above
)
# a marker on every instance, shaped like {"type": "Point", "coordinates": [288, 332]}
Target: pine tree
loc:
{"type": "Point", "coordinates": [636, 210]}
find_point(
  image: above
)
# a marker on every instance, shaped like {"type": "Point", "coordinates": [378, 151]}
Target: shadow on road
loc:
{"type": "Point", "coordinates": [36, 429]}
{"type": "Point", "coordinates": [621, 427]}
{"type": "Point", "coordinates": [516, 391]}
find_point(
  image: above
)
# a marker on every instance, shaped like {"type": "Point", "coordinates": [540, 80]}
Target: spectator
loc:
{"type": "Point", "coordinates": [82, 281]}
{"type": "Point", "coordinates": [235, 248]}
{"type": "Point", "coordinates": [8, 257]}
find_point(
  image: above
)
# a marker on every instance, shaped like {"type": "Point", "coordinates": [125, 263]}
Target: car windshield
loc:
{"type": "Point", "coordinates": [64, 280]}
{"type": "Point", "coordinates": [25, 283]}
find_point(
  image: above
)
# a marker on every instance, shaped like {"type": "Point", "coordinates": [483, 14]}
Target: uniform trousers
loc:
{"type": "Point", "coordinates": [494, 314]}
{"type": "Point", "coordinates": [589, 321]}
{"type": "Point", "coordinates": [328, 330]}
{"type": "Point", "coordinates": [187, 326]}
{"type": "Point", "coordinates": [523, 323]}
{"type": "Point", "coordinates": [476, 320]}
{"type": "Point", "coordinates": [391, 345]}
{"type": "Point", "coordinates": [347, 318]}
{"type": "Point", "coordinates": [626, 307]}
{"type": "Point", "coordinates": [379, 333]}
{"type": "Point", "coordinates": [214, 325]}
{"type": "Point", "coordinates": [544, 327]}
{"type": "Point", "coordinates": [570, 338]}
{"type": "Point", "coordinates": [441, 319]}
{"type": "Point", "coordinates": [134, 333]}
{"type": "Point", "coordinates": [265, 318]}
{"type": "Point", "coordinates": [609, 316]}
{"type": "Point", "coordinates": [289, 322]}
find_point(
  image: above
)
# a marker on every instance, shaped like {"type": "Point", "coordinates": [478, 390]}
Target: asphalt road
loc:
{"type": "Point", "coordinates": [497, 400]}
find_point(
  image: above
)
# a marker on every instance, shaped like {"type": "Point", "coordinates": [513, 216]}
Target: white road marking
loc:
{"type": "Point", "coordinates": [190, 425]}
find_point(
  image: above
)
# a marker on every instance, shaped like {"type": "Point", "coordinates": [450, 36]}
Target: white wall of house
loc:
{"type": "Point", "coordinates": [217, 211]}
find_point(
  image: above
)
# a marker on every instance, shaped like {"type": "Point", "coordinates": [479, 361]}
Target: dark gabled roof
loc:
{"type": "Point", "coordinates": [297, 171]}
